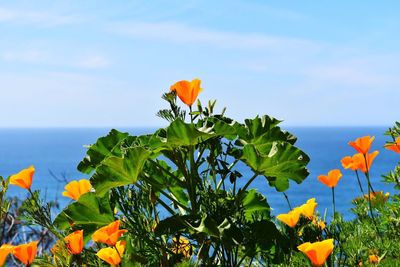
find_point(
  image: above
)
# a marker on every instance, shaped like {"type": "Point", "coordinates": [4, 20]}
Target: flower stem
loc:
{"type": "Point", "coordinates": [359, 183]}
{"type": "Point", "coordinates": [333, 202]}
{"type": "Point", "coordinates": [287, 200]}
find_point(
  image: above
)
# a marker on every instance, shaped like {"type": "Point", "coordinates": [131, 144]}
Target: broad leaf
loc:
{"type": "Point", "coordinates": [179, 133]}
{"type": "Point", "coordinates": [89, 210]}
{"type": "Point", "coordinates": [114, 171]}
{"type": "Point", "coordinates": [255, 203]}
{"type": "Point", "coordinates": [278, 162]}
{"type": "Point", "coordinates": [104, 147]}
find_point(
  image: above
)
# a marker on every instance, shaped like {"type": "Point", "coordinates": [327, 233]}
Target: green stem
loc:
{"type": "Point", "coordinates": [333, 202]}
{"type": "Point", "coordinates": [369, 197]}
{"type": "Point", "coordinates": [287, 200]}
{"type": "Point", "coordinates": [249, 182]}
{"type": "Point", "coordinates": [359, 183]}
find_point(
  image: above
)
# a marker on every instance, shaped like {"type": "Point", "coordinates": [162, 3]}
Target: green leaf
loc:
{"type": "Point", "coordinates": [114, 171]}
{"type": "Point", "coordinates": [278, 162]}
{"type": "Point", "coordinates": [104, 147]}
{"type": "Point", "coordinates": [89, 211]}
{"type": "Point", "coordinates": [255, 203]}
{"type": "Point", "coordinates": [180, 133]}
{"type": "Point", "coordinates": [208, 226]}
{"type": "Point", "coordinates": [262, 130]}
{"type": "Point", "coordinates": [171, 225]}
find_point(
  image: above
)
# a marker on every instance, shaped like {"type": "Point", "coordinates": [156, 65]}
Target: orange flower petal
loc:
{"type": "Point", "coordinates": [317, 252]}
{"type": "Point", "coordinates": [362, 144]}
{"type": "Point", "coordinates": [109, 234]}
{"type": "Point", "coordinates": [187, 91]}
{"type": "Point", "coordinates": [26, 253]}
{"type": "Point", "coordinates": [75, 189]}
{"type": "Point", "coordinates": [331, 179]}
{"type": "Point", "coordinates": [395, 146]}
{"type": "Point", "coordinates": [74, 242]}
{"type": "Point", "coordinates": [5, 249]}
{"type": "Point", "coordinates": [23, 178]}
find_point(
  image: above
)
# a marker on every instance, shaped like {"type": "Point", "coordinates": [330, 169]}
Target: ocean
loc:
{"type": "Point", "coordinates": [57, 152]}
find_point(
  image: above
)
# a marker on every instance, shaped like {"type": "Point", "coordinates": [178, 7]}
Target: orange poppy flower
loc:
{"type": "Point", "coordinates": [187, 91]}
{"type": "Point", "coordinates": [26, 253]}
{"type": "Point", "coordinates": [291, 218]}
{"type": "Point", "coordinates": [331, 179]}
{"type": "Point", "coordinates": [74, 242]}
{"type": "Point", "coordinates": [373, 259]}
{"type": "Point", "coordinates": [109, 234]}
{"type": "Point", "coordinates": [23, 178]}
{"type": "Point", "coordinates": [349, 163]}
{"type": "Point", "coordinates": [395, 146]}
{"type": "Point", "coordinates": [75, 189]}
{"type": "Point", "coordinates": [308, 208]}
{"type": "Point", "coordinates": [317, 252]}
{"type": "Point", "coordinates": [362, 144]}
{"type": "Point", "coordinates": [369, 158]}
{"type": "Point", "coordinates": [112, 255]}
{"type": "Point", "coordinates": [5, 249]}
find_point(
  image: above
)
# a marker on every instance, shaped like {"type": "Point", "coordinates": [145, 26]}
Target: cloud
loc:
{"type": "Point", "coordinates": [94, 62]}
{"type": "Point", "coordinates": [41, 18]}
{"type": "Point", "coordinates": [183, 34]}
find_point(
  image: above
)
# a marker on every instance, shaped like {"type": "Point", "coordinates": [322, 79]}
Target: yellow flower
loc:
{"type": "Point", "coordinates": [74, 242]}
{"type": "Point", "coordinates": [307, 209]}
{"type": "Point", "coordinates": [290, 218]}
{"type": "Point", "coordinates": [75, 189]}
{"type": "Point", "coordinates": [317, 252]}
{"type": "Point", "coordinates": [26, 253]}
{"type": "Point", "coordinates": [108, 234]}
{"type": "Point", "coordinates": [182, 246]}
{"type": "Point", "coordinates": [23, 178]}
{"type": "Point", "coordinates": [187, 91]}
{"type": "Point", "coordinates": [112, 255]}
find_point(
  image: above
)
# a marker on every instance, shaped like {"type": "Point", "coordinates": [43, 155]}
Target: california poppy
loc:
{"type": "Point", "coordinates": [182, 247]}
{"type": "Point", "coordinates": [291, 218]}
{"type": "Point", "coordinates": [349, 163]}
{"type": "Point", "coordinates": [373, 259]}
{"type": "Point", "coordinates": [26, 253]}
{"type": "Point", "coordinates": [109, 234]}
{"type": "Point", "coordinates": [23, 178]}
{"type": "Point", "coordinates": [75, 189]}
{"type": "Point", "coordinates": [74, 242]}
{"type": "Point", "coordinates": [187, 91]}
{"type": "Point", "coordinates": [364, 164]}
{"type": "Point", "coordinates": [112, 255]}
{"type": "Point", "coordinates": [331, 179]}
{"type": "Point", "coordinates": [395, 146]}
{"type": "Point", "coordinates": [308, 208]}
{"type": "Point", "coordinates": [362, 144]}
{"type": "Point", "coordinates": [5, 249]}
{"type": "Point", "coordinates": [317, 252]}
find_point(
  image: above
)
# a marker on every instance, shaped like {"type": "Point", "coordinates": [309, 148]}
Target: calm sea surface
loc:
{"type": "Point", "coordinates": [58, 151]}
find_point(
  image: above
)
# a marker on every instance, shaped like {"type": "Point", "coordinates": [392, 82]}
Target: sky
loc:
{"type": "Point", "coordinates": [107, 63]}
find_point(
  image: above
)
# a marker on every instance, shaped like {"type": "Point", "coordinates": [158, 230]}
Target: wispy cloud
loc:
{"type": "Point", "coordinates": [184, 34]}
{"type": "Point", "coordinates": [41, 18]}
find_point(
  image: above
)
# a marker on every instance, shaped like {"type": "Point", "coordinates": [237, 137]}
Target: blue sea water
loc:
{"type": "Point", "coordinates": [60, 150]}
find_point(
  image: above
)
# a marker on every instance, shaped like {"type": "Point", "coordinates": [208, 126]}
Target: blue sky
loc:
{"type": "Point", "coordinates": [106, 63]}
